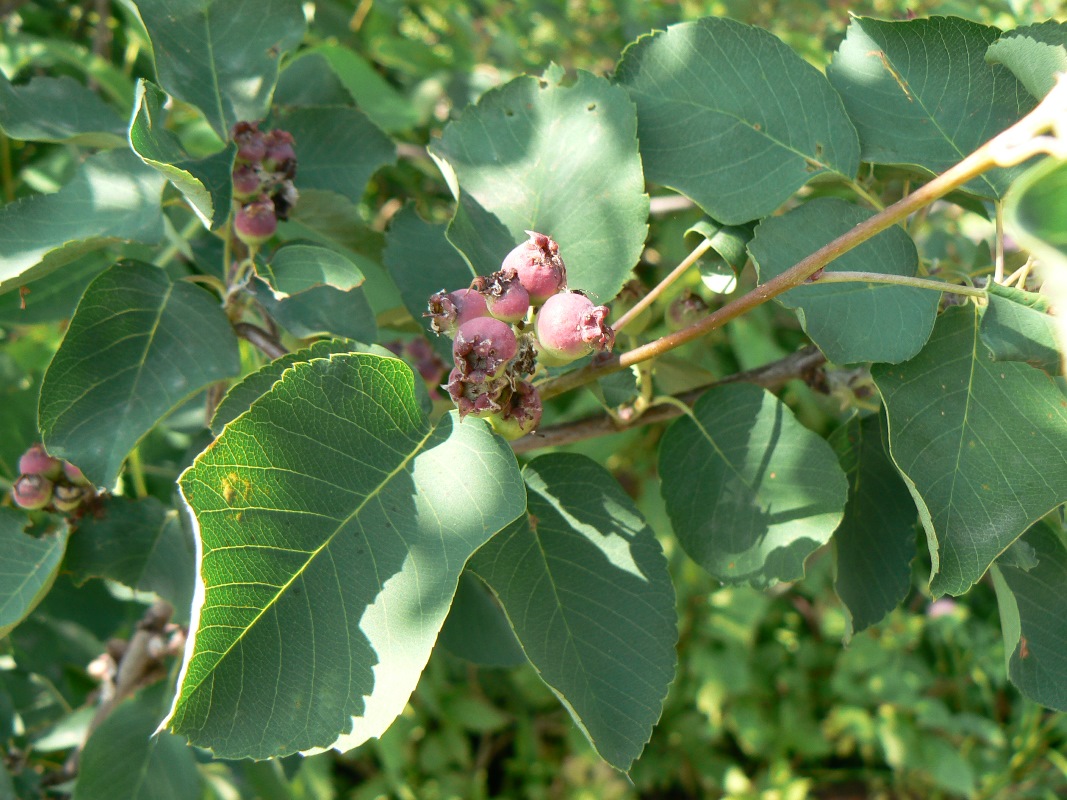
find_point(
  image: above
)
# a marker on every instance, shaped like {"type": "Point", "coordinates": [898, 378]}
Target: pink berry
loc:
{"type": "Point", "coordinates": [505, 296]}
{"type": "Point", "coordinates": [474, 396]}
{"type": "Point", "coordinates": [251, 143]}
{"type": "Point", "coordinates": [67, 498]}
{"type": "Point", "coordinates": [569, 326]}
{"type": "Point", "coordinates": [280, 156]}
{"type": "Point", "coordinates": [483, 347]}
{"type": "Point", "coordinates": [247, 182]}
{"type": "Point", "coordinates": [448, 310]}
{"type": "Point", "coordinates": [256, 222]}
{"type": "Point", "coordinates": [521, 413]}
{"type": "Point", "coordinates": [32, 491]}
{"type": "Point", "coordinates": [538, 265]}
{"type": "Point", "coordinates": [36, 461]}
{"type": "Point", "coordinates": [74, 475]}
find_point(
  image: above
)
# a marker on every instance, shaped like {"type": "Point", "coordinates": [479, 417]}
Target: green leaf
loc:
{"type": "Point", "coordinates": [295, 268]}
{"type": "Point", "coordinates": [731, 117]}
{"type": "Point", "coordinates": [1033, 608]}
{"type": "Point", "coordinates": [207, 183]}
{"type": "Point", "coordinates": [308, 80]}
{"type": "Point", "coordinates": [562, 160]}
{"type": "Point", "coordinates": [1033, 211]}
{"type": "Point", "coordinates": [376, 97]}
{"type": "Point", "coordinates": [138, 345]}
{"type": "Point", "coordinates": [54, 297]}
{"type": "Point", "coordinates": [1034, 54]}
{"type": "Point", "coordinates": [58, 110]}
{"type": "Point", "coordinates": [750, 492]}
{"type": "Point", "coordinates": [30, 566]}
{"type": "Point", "coordinates": [140, 544]}
{"type": "Point", "coordinates": [729, 243]}
{"type": "Point", "coordinates": [22, 52]}
{"type": "Point", "coordinates": [222, 55]}
{"type": "Point", "coordinates": [982, 445]}
{"type": "Point", "coordinates": [848, 321]}
{"type": "Point", "coordinates": [1016, 326]}
{"type": "Point", "coordinates": [922, 95]}
{"type": "Point", "coordinates": [113, 197]}
{"type": "Point", "coordinates": [333, 524]}
{"type": "Point", "coordinates": [254, 385]}
{"type": "Point", "coordinates": [875, 543]}
{"type": "Point", "coordinates": [321, 311]}
{"type": "Point", "coordinates": [422, 261]}
{"type": "Point", "coordinates": [586, 588]}
{"type": "Point", "coordinates": [124, 758]}
{"type": "Point", "coordinates": [476, 628]}
{"type": "Point", "coordinates": [337, 148]}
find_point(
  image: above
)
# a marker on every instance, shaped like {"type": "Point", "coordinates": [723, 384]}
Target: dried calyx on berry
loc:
{"type": "Point", "coordinates": [520, 412]}
{"type": "Point", "coordinates": [505, 296]}
{"type": "Point", "coordinates": [538, 265]}
{"type": "Point", "coordinates": [569, 326]}
{"type": "Point", "coordinates": [32, 491]}
{"type": "Point", "coordinates": [448, 310]}
{"type": "Point", "coordinates": [483, 347]}
{"type": "Point", "coordinates": [474, 395]}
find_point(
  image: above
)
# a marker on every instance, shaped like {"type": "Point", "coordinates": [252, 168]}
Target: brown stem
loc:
{"type": "Point", "coordinates": [260, 338]}
{"type": "Point", "coordinates": [661, 287]}
{"type": "Point", "coordinates": [770, 376]}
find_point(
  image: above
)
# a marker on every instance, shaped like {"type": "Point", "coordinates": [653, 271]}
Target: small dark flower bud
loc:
{"type": "Point", "coordinates": [538, 265]}
{"type": "Point", "coordinates": [32, 491]}
{"type": "Point", "coordinates": [36, 461]}
{"type": "Point", "coordinates": [256, 222]}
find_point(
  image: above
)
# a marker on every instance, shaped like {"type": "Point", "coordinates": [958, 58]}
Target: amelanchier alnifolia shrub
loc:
{"type": "Point", "coordinates": [506, 322]}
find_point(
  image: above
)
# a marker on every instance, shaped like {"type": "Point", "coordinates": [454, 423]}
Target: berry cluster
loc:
{"type": "Point", "coordinates": [263, 175]}
{"type": "Point", "coordinates": [506, 323]}
{"type": "Point", "coordinates": [45, 480]}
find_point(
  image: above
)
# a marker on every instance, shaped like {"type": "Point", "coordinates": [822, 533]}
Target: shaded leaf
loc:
{"type": "Point", "coordinates": [54, 297]}
{"type": "Point", "coordinates": [875, 543]}
{"type": "Point", "coordinates": [113, 197]}
{"type": "Point", "coordinates": [140, 544]}
{"type": "Point", "coordinates": [848, 321]}
{"type": "Point", "coordinates": [731, 117]}
{"type": "Point", "coordinates": [309, 80]}
{"type": "Point", "coordinates": [921, 94]}
{"type": "Point", "coordinates": [333, 524]}
{"type": "Point", "coordinates": [206, 183]}
{"type": "Point", "coordinates": [729, 243]}
{"type": "Point", "coordinates": [124, 758]}
{"type": "Point", "coordinates": [321, 311]}
{"type": "Point", "coordinates": [137, 346]}
{"type": "Point", "coordinates": [30, 566]}
{"type": "Point", "coordinates": [222, 55]}
{"type": "Point", "coordinates": [1034, 54]}
{"type": "Point", "coordinates": [1016, 326]}
{"type": "Point", "coordinates": [1033, 616]}
{"type": "Point", "coordinates": [295, 268]}
{"type": "Point", "coordinates": [586, 588]}
{"type": "Point", "coordinates": [476, 628]}
{"type": "Point", "coordinates": [562, 160]}
{"type": "Point", "coordinates": [422, 261]}
{"type": "Point", "coordinates": [981, 444]}
{"type": "Point", "coordinates": [337, 148]}
{"type": "Point", "coordinates": [58, 110]}
{"type": "Point", "coordinates": [750, 492]}
{"type": "Point", "coordinates": [375, 96]}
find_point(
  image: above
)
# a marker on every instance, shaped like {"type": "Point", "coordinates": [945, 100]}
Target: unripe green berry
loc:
{"type": "Point", "coordinates": [67, 498]}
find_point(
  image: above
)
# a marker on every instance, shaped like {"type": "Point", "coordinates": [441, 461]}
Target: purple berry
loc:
{"type": "Point", "coordinates": [474, 396]}
{"type": "Point", "coordinates": [448, 310]}
{"type": "Point", "coordinates": [36, 461]}
{"type": "Point", "coordinates": [67, 498]}
{"type": "Point", "coordinates": [74, 475]}
{"type": "Point", "coordinates": [251, 143]}
{"type": "Point", "coordinates": [569, 326]}
{"type": "Point", "coordinates": [521, 413]}
{"type": "Point", "coordinates": [247, 182]}
{"type": "Point", "coordinates": [538, 265]}
{"type": "Point", "coordinates": [32, 491]}
{"type": "Point", "coordinates": [256, 221]}
{"type": "Point", "coordinates": [505, 296]}
{"type": "Point", "coordinates": [280, 156]}
{"type": "Point", "coordinates": [483, 347]}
